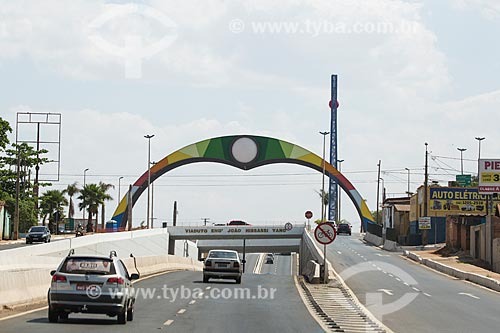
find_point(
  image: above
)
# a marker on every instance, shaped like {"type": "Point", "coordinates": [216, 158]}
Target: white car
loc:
{"type": "Point", "coordinates": [222, 264]}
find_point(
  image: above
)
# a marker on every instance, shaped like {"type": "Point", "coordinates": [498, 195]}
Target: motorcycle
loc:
{"type": "Point", "coordinates": [79, 232]}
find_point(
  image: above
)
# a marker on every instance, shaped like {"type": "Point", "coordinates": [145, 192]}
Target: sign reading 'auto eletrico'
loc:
{"type": "Point", "coordinates": [457, 200]}
{"type": "Point", "coordinates": [489, 176]}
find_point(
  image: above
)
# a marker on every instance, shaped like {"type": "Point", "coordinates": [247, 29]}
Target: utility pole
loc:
{"type": "Point", "coordinates": [174, 218]}
{"type": "Point", "coordinates": [16, 213]}
{"type": "Point", "coordinates": [479, 139]}
{"type": "Point", "coordinates": [426, 184]}
{"type": "Point", "coordinates": [205, 219]}
{"type": "Point", "coordinates": [378, 186]}
{"type": "Point", "coordinates": [408, 191]}
{"type": "Point", "coordinates": [462, 159]}
{"type": "Point", "coordinates": [323, 179]}
{"type": "Point", "coordinates": [149, 136]}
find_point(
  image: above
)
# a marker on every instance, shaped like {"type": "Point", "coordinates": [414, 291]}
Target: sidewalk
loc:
{"type": "Point", "coordinates": [457, 266]}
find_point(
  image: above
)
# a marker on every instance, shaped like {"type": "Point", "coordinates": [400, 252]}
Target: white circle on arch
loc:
{"type": "Point", "coordinates": [244, 150]}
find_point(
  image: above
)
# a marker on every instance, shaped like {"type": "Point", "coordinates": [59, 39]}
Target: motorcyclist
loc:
{"type": "Point", "coordinates": [79, 230]}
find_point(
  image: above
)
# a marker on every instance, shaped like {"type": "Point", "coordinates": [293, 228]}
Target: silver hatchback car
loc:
{"type": "Point", "coordinates": [91, 284]}
{"type": "Point", "coordinates": [222, 264]}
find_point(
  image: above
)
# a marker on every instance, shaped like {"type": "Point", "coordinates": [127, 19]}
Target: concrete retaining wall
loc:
{"type": "Point", "coordinates": [25, 272]}
{"type": "Point", "coordinates": [309, 251]}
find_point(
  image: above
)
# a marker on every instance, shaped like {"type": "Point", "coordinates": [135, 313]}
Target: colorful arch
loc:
{"type": "Point", "coordinates": [244, 152]}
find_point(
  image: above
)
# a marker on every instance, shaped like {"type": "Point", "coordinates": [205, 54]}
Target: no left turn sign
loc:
{"type": "Point", "coordinates": [325, 233]}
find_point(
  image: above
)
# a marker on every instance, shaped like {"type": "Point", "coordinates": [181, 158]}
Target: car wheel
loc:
{"type": "Point", "coordinates": [28, 242]}
{"type": "Point", "coordinates": [53, 316]}
{"type": "Point", "coordinates": [45, 240]}
{"type": "Point", "coordinates": [130, 313]}
{"type": "Point", "coordinates": [205, 279]}
{"type": "Point", "coordinates": [238, 280]}
{"type": "Point", "coordinates": [122, 318]}
{"type": "Point", "coordinates": [48, 240]}
{"type": "Point", "coordinates": [63, 315]}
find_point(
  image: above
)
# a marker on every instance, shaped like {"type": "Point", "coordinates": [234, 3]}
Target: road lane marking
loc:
{"type": "Point", "coordinates": [181, 311]}
{"type": "Point", "coordinates": [470, 295]}
{"type": "Point", "coordinates": [387, 291]}
{"type": "Point", "coordinates": [207, 288]}
{"type": "Point", "coordinates": [391, 275]}
{"type": "Point", "coordinates": [416, 289]}
{"type": "Point", "coordinates": [428, 295]}
{"type": "Point", "coordinates": [168, 322]}
{"type": "Point", "coordinates": [398, 279]}
{"type": "Point", "coordinates": [339, 252]}
{"type": "Point", "coordinates": [192, 302]}
{"type": "Point", "coordinates": [406, 284]}
{"type": "Point", "coordinates": [382, 255]}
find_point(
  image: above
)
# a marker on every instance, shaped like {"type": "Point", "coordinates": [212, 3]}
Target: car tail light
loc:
{"type": "Point", "coordinates": [117, 280]}
{"type": "Point", "coordinates": [208, 263]}
{"type": "Point", "coordinates": [236, 264]}
{"type": "Point", "coordinates": [58, 278]}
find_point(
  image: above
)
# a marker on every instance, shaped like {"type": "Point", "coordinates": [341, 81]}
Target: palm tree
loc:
{"type": "Point", "coordinates": [90, 199]}
{"type": "Point", "coordinates": [71, 190]}
{"type": "Point", "coordinates": [324, 196]}
{"type": "Point", "coordinates": [51, 205]}
{"type": "Point", "coordinates": [104, 197]}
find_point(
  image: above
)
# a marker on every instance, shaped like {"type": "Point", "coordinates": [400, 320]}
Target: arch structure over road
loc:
{"type": "Point", "coordinates": [245, 152]}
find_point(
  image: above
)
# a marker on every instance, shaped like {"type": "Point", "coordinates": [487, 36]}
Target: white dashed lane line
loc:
{"type": "Point", "coordinates": [181, 311]}
{"type": "Point", "coordinates": [168, 322]}
{"type": "Point", "coordinates": [192, 302]}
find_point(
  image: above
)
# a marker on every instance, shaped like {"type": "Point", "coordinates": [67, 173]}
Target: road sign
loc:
{"type": "Point", "coordinates": [463, 180]}
{"type": "Point", "coordinates": [288, 226]}
{"type": "Point", "coordinates": [424, 223]}
{"type": "Point", "coordinates": [309, 214]}
{"type": "Point", "coordinates": [325, 233]}
{"type": "Point", "coordinates": [489, 176]}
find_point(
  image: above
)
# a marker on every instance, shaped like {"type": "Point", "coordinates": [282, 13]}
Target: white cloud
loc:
{"type": "Point", "coordinates": [489, 8]}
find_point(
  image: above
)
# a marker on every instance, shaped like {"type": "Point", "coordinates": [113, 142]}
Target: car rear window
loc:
{"type": "Point", "coordinates": [223, 255]}
{"type": "Point", "coordinates": [99, 266]}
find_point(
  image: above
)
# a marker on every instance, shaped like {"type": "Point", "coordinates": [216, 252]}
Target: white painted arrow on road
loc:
{"type": "Point", "coordinates": [470, 295]}
{"type": "Point", "coordinates": [388, 292]}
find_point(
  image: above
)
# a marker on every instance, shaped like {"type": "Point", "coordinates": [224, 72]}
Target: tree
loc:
{"type": "Point", "coordinates": [90, 199]}
{"type": "Point", "coordinates": [71, 190]}
{"type": "Point", "coordinates": [4, 130]}
{"type": "Point", "coordinates": [104, 197]}
{"type": "Point", "coordinates": [324, 196]}
{"type": "Point", "coordinates": [51, 206]}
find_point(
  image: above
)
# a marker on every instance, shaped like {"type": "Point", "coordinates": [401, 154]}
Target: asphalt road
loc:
{"type": "Point", "coordinates": [282, 266]}
{"type": "Point", "coordinates": [23, 244]}
{"type": "Point", "coordinates": [414, 298]}
{"type": "Point", "coordinates": [215, 311]}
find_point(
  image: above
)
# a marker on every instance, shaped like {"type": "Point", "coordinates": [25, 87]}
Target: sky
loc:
{"type": "Point", "coordinates": [409, 72]}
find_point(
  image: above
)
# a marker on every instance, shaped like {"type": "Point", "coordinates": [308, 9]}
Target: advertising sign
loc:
{"type": "Point", "coordinates": [456, 200]}
{"type": "Point", "coordinates": [489, 176]}
{"type": "Point", "coordinates": [424, 223]}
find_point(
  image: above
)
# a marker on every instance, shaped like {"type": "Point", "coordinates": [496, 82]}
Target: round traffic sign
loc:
{"type": "Point", "coordinates": [288, 226]}
{"type": "Point", "coordinates": [309, 214]}
{"type": "Point", "coordinates": [325, 233]}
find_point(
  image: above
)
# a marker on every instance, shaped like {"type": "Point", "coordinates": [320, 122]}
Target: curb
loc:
{"type": "Point", "coordinates": [455, 272]}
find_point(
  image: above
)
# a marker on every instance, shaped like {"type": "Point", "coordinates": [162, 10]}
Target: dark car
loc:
{"type": "Point", "coordinates": [344, 228]}
{"type": "Point", "coordinates": [237, 222]}
{"type": "Point", "coordinates": [38, 234]}
{"type": "Point", "coordinates": [92, 284]}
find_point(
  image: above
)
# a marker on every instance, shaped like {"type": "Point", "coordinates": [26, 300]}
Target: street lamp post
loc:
{"type": "Point", "coordinates": [339, 216]}
{"type": "Point", "coordinates": [152, 200]}
{"type": "Point", "coordinates": [479, 139]}
{"type": "Point", "coordinates": [462, 159]}
{"type": "Point", "coordinates": [84, 175]}
{"type": "Point", "coordinates": [119, 187]}
{"type": "Point", "coordinates": [323, 180]}
{"type": "Point", "coordinates": [408, 191]}
{"type": "Point", "coordinates": [149, 136]}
